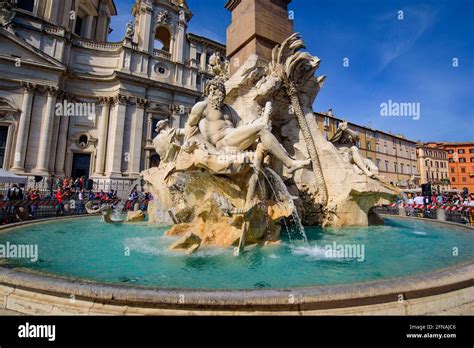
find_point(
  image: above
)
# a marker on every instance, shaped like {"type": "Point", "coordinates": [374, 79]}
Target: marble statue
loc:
{"type": "Point", "coordinates": [6, 12]}
{"type": "Point", "coordinates": [345, 140]}
{"type": "Point", "coordinates": [166, 143]}
{"type": "Point", "coordinates": [130, 30]}
{"type": "Point", "coordinates": [163, 17]}
{"type": "Point", "coordinates": [218, 67]}
{"type": "Point", "coordinates": [217, 123]}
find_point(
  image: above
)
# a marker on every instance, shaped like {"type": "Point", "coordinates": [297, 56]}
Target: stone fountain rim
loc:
{"type": "Point", "coordinates": [441, 281]}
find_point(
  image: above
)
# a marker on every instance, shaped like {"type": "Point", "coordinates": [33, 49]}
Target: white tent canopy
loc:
{"type": "Point", "coordinates": [10, 178]}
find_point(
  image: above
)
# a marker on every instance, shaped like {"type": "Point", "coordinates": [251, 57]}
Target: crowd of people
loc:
{"type": "Point", "coordinates": [445, 198]}
{"type": "Point", "coordinates": [68, 191]}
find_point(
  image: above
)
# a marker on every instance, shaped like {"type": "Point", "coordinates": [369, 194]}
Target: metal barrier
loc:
{"type": "Point", "coordinates": [456, 213]}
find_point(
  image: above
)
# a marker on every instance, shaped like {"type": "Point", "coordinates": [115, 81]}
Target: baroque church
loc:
{"type": "Point", "coordinates": [72, 103]}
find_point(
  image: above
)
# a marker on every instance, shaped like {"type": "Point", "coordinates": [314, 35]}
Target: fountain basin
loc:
{"type": "Point", "coordinates": [31, 290]}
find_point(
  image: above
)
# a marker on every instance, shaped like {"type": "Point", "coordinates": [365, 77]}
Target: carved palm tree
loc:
{"type": "Point", "coordinates": [295, 68]}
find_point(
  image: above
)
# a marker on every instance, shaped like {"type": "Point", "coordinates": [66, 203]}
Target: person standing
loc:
{"type": "Point", "coordinates": [60, 198]}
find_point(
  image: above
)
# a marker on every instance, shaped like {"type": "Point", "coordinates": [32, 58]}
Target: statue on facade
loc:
{"type": "Point", "coordinates": [130, 31]}
{"type": "Point", "coordinates": [163, 17]}
{"type": "Point", "coordinates": [6, 12]}
{"type": "Point", "coordinates": [345, 140]}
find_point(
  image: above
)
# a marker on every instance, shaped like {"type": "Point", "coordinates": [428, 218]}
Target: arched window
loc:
{"type": "Point", "coordinates": [162, 39]}
{"type": "Point", "coordinates": [27, 5]}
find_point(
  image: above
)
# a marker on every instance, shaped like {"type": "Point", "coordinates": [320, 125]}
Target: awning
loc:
{"type": "Point", "coordinates": [10, 178]}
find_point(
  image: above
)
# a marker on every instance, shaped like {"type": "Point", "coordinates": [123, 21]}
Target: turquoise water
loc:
{"type": "Point", "coordinates": [138, 255]}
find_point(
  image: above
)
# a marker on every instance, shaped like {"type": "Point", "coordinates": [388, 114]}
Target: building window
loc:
{"type": "Point", "coordinates": [471, 150]}
{"type": "Point", "coordinates": [326, 121]}
{"type": "Point", "coordinates": [462, 160]}
{"type": "Point", "coordinates": [461, 151]}
{"type": "Point", "coordinates": [386, 166]}
{"type": "Point", "coordinates": [402, 168]}
{"type": "Point", "coordinates": [78, 28]}
{"type": "Point", "coordinates": [463, 179]}
{"type": "Point", "coordinates": [369, 146]}
{"type": "Point", "coordinates": [453, 179]}
{"type": "Point", "coordinates": [27, 5]}
{"type": "Point", "coordinates": [452, 170]}
{"type": "Point", "coordinates": [395, 167]}
{"type": "Point", "coordinates": [378, 164]}
{"type": "Point", "coordinates": [472, 159]}
{"type": "Point", "coordinates": [451, 160]}
{"type": "Point", "coordinates": [463, 169]}
{"type": "Point", "coordinates": [450, 151]}
{"type": "Point", "coordinates": [336, 124]}
{"type": "Point", "coordinates": [198, 58]}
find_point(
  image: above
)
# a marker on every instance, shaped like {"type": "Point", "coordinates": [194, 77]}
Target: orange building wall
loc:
{"type": "Point", "coordinates": [461, 174]}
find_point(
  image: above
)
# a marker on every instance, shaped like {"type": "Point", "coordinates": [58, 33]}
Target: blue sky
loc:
{"type": "Point", "coordinates": [409, 60]}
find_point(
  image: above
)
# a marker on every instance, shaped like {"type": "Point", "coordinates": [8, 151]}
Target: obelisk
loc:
{"type": "Point", "coordinates": [257, 26]}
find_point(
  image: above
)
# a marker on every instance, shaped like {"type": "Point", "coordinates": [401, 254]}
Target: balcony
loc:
{"type": "Point", "coordinates": [161, 54]}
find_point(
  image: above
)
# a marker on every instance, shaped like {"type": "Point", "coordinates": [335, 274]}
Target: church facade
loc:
{"type": "Point", "coordinates": [73, 104]}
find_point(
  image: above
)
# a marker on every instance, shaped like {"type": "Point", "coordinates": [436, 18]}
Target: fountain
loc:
{"type": "Point", "coordinates": [259, 120]}
{"type": "Point", "coordinates": [250, 160]}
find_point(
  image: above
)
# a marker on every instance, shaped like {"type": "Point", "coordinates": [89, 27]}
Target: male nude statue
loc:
{"type": "Point", "coordinates": [214, 120]}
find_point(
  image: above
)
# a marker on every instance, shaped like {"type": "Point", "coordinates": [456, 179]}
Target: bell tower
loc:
{"type": "Point", "coordinates": [257, 26]}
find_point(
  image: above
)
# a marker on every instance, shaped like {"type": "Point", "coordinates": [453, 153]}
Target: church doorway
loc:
{"type": "Point", "coordinates": [3, 144]}
{"type": "Point", "coordinates": [81, 165]}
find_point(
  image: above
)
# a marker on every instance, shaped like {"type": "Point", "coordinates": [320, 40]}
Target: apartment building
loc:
{"type": "Point", "coordinates": [461, 164]}
{"type": "Point", "coordinates": [433, 165]}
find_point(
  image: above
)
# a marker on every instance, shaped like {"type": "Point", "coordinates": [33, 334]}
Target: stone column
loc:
{"type": "Point", "coordinates": [102, 136]}
{"type": "Point", "coordinates": [23, 128]}
{"type": "Point", "coordinates": [146, 19]}
{"type": "Point", "coordinates": [115, 139]}
{"type": "Point", "coordinates": [149, 126]}
{"type": "Point", "coordinates": [203, 59]}
{"type": "Point", "coordinates": [136, 138]}
{"type": "Point", "coordinates": [45, 134]}
{"type": "Point", "coordinates": [59, 166]}
{"type": "Point", "coordinates": [88, 27]}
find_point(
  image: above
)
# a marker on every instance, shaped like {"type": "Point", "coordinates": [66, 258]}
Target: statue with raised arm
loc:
{"type": "Point", "coordinates": [345, 140]}
{"type": "Point", "coordinates": [218, 125]}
